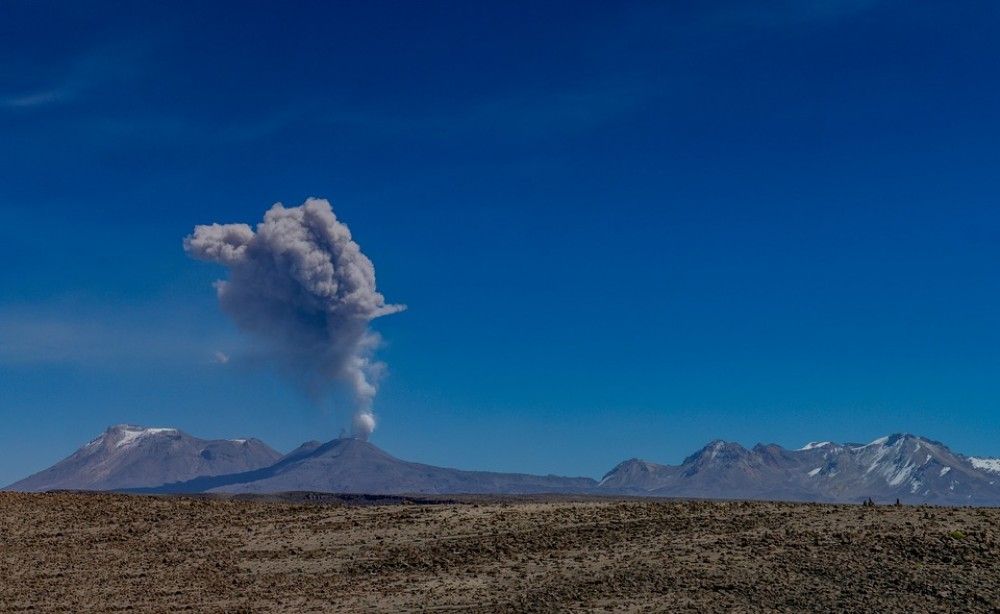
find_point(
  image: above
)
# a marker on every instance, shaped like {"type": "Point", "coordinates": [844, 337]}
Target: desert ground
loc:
{"type": "Point", "coordinates": [74, 552]}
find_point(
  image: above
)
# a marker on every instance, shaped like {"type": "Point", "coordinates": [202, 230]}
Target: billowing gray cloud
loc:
{"type": "Point", "coordinates": [300, 284]}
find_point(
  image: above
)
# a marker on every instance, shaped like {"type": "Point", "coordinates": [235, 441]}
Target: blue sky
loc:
{"type": "Point", "coordinates": [621, 229]}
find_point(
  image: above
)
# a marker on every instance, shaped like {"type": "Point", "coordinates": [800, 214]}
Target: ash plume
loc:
{"type": "Point", "coordinates": [300, 285]}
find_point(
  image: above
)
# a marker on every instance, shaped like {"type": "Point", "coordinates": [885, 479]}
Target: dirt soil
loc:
{"type": "Point", "coordinates": [96, 552]}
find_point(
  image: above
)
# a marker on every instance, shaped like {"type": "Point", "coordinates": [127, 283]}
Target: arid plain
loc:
{"type": "Point", "coordinates": [100, 552]}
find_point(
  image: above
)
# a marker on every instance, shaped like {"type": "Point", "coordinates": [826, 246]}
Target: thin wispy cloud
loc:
{"type": "Point", "coordinates": [36, 99]}
{"type": "Point", "coordinates": [81, 75]}
{"type": "Point", "coordinates": [98, 337]}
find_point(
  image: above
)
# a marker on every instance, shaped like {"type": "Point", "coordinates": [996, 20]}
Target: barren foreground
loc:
{"type": "Point", "coordinates": [80, 552]}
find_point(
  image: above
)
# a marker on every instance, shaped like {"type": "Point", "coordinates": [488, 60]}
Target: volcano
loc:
{"type": "Point", "coordinates": [130, 456]}
{"type": "Point", "coordinates": [348, 465]}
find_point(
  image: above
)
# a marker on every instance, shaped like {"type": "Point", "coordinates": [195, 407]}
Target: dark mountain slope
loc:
{"type": "Point", "coordinates": [351, 465]}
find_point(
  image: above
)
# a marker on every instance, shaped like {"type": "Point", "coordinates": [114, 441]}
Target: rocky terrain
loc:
{"type": "Point", "coordinates": [316, 553]}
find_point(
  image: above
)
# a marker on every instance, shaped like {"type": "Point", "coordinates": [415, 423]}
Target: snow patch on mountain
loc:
{"type": "Point", "coordinates": [986, 464]}
{"type": "Point", "coordinates": [131, 434]}
{"type": "Point", "coordinates": [878, 442]}
{"type": "Point", "coordinates": [814, 444]}
{"type": "Point", "coordinates": [897, 475]}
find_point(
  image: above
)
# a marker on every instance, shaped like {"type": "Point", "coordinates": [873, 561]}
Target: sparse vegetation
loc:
{"type": "Point", "coordinates": [78, 552]}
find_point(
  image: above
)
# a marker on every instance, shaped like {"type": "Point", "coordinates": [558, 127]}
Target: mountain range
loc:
{"type": "Point", "coordinates": [906, 467]}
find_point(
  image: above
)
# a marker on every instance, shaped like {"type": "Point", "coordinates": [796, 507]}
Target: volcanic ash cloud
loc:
{"type": "Point", "coordinates": [300, 284]}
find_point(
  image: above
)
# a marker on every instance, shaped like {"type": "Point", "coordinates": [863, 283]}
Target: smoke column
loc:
{"type": "Point", "coordinates": [300, 284]}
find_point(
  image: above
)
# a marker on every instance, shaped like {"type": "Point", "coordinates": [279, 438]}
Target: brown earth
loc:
{"type": "Point", "coordinates": [96, 552]}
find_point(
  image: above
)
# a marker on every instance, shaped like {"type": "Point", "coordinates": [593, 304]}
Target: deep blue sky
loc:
{"type": "Point", "coordinates": [622, 229]}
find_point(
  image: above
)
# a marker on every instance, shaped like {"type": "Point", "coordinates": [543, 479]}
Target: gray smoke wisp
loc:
{"type": "Point", "coordinates": [300, 284]}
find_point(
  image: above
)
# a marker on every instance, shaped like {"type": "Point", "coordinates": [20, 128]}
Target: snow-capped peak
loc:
{"type": "Point", "coordinates": [881, 441]}
{"type": "Point", "coordinates": [129, 434]}
{"type": "Point", "coordinates": [894, 440]}
{"type": "Point", "coordinates": [814, 444]}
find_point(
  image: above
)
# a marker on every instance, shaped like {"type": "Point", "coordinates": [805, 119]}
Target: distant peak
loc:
{"type": "Point", "coordinates": [632, 462]}
{"type": "Point", "coordinates": [815, 444]}
{"type": "Point", "coordinates": [881, 441]}
{"type": "Point", "coordinates": [718, 449]}
{"type": "Point", "coordinates": [630, 470]}
{"type": "Point", "coordinates": [720, 444]}
{"type": "Point", "coordinates": [893, 439]}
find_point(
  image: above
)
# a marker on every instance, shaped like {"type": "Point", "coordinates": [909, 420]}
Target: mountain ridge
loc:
{"type": "Point", "coordinates": [127, 456]}
{"type": "Point", "coordinates": [900, 466]}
